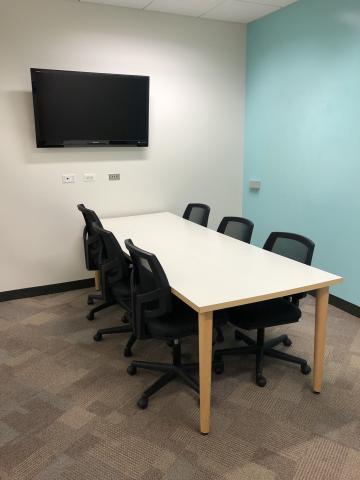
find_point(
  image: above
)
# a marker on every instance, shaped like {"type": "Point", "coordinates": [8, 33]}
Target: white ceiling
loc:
{"type": "Point", "coordinates": [241, 11]}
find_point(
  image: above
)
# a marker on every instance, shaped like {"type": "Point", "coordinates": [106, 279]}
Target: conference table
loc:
{"type": "Point", "coordinates": [210, 271]}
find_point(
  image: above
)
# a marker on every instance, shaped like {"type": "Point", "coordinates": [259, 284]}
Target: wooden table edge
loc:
{"type": "Point", "coordinates": [260, 298]}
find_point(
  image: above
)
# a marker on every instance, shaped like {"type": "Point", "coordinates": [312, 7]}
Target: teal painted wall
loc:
{"type": "Point", "coordinates": [302, 131]}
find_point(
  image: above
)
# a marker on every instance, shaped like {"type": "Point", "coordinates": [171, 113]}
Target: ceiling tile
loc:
{"type": "Point", "coordinates": [239, 11]}
{"type": "Point", "coordinates": [242, 11]}
{"type": "Point", "coordinates": [184, 7]}
{"type": "Point", "coordinates": [276, 3]}
{"type": "Point", "coordinates": [121, 3]}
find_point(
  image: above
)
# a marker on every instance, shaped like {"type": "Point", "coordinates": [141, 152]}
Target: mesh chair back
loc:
{"type": "Point", "coordinates": [90, 217]}
{"type": "Point", "coordinates": [237, 227]}
{"type": "Point", "coordinates": [150, 288]}
{"type": "Point", "coordinates": [197, 213]}
{"type": "Point", "coordinates": [92, 245]}
{"type": "Point", "coordinates": [115, 268]}
{"type": "Point", "coordinates": [291, 245]}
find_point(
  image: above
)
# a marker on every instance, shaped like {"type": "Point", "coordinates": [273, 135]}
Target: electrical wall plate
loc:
{"type": "Point", "coordinates": [89, 177]}
{"type": "Point", "coordinates": [68, 178]}
{"type": "Point", "coordinates": [114, 176]}
{"type": "Point", "coordinates": [255, 184]}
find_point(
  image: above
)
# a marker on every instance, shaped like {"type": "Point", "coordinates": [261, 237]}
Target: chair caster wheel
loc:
{"type": "Point", "coordinates": [287, 342]}
{"type": "Point", "coordinates": [305, 369]}
{"type": "Point", "coordinates": [125, 318]}
{"type": "Point", "coordinates": [127, 352]}
{"type": "Point", "coordinates": [131, 370]}
{"type": "Point", "coordinates": [260, 381]}
{"type": "Point", "coordinates": [90, 317]}
{"type": "Point", "coordinates": [237, 335]}
{"type": "Point", "coordinates": [90, 301]}
{"type": "Point", "coordinates": [98, 337]}
{"type": "Point", "coordinates": [143, 402]}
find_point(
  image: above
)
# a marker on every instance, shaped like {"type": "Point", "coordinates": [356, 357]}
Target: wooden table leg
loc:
{"type": "Point", "coordinates": [205, 367]}
{"type": "Point", "coordinates": [322, 302]}
{"type": "Point", "coordinates": [97, 280]}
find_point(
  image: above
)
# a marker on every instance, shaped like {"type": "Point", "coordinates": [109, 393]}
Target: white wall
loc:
{"type": "Point", "coordinates": [196, 127]}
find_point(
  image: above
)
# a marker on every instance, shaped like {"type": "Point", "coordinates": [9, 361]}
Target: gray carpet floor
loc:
{"type": "Point", "coordinates": [68, 408]}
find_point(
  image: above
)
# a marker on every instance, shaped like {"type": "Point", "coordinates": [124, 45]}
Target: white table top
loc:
{"type": "Point", "coordinates": [209, 270]}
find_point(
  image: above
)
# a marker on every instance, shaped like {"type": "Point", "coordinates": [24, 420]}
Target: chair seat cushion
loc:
{"type": "Point", "coordinates": [269, 313]}
{"type": "Point", "coordinates": [182, 322]}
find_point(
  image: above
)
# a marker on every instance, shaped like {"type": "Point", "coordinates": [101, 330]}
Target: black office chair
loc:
{"type": "Point", "coordinates": [271, 313]}
{"type": "Point", "coordinates": [93, 252]}
{"type": "Point", "coordinates": [115, 270]}
{"type": "Point", "coordinates": [241, 229]}
{"type": "Point", "coordinates": [159, 314]}
{"type": "Point", "coordinates": [237, 227]}
{"type": "Point", "coordinates": [293, 246]}
{"type": "Point", "coordinates": [197, 213]}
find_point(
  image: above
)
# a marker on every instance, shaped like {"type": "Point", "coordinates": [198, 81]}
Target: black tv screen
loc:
{"type": "Point", "coordinates": [89, 109]}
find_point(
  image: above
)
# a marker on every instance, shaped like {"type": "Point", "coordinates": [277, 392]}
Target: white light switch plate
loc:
{"type": "Point", "coordinates": [89, 177]}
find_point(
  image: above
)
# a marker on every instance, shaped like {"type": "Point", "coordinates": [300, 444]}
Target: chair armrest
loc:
{"type": "Point", "coordinates": [86, 249]}
{"type": "Point", "coordinates": [104, 269]}
{"type": "Point", "coordinates": [88, 242]}
{"type": "Point", "coordinates": [153, 296]}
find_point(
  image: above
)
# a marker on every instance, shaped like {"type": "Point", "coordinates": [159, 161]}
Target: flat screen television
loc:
{"type": "Point", "coordinates": [89, 109]}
